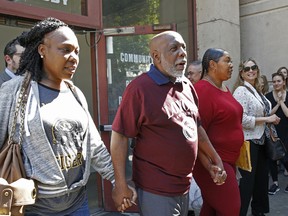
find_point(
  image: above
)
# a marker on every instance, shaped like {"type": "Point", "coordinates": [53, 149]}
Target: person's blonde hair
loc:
{"type": "Point", "coordinates": [265, 89]}
{"type": "Point", "coordinates": [240, 82]}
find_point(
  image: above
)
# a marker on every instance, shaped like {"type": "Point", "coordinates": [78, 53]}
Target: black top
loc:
{"type": "Point", "coordinates": [282, 127]}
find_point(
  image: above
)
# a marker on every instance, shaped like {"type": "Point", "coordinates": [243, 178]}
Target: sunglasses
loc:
{"type": "Point", "coordinates": [254, 67]}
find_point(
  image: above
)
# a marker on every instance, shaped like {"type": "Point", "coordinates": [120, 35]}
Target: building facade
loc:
{"type": "Point", "coordinates": [114, 35]}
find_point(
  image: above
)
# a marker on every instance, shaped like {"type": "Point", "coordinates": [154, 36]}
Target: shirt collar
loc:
{"type": "Point", "coordinates": [10, 73]}
{"type": "Point", "coordinates": [249, 85]}
{"type": "Point", "coordinates": [159, 77]}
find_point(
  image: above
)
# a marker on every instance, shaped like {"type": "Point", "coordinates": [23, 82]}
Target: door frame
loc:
{"type": "Point", "coordinates": [100, 90]}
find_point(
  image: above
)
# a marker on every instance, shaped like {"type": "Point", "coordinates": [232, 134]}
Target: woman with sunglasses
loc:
{"type": "Point", "coordinates": [279, 100]}
{"type": "Point", "coordinates": [256, 114]}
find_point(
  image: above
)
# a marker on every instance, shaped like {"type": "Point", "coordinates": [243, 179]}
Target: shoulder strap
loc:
{"type": "Point", "coordinates": [250, 90]}
{"type": "Point", "coordinates": [74, 92]}
{"type": "Point", "coordinates": [20, 108]}
{"type": "Point", "coordinates": [260, 95]}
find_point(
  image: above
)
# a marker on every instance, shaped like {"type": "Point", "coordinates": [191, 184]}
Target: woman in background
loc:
{"type": "Point", "coordinates": [284, 71]}
{"type": "Point", "coordinates": [279, 101]}
{"type": "Point", "coordinates": [257, 109]}
{"type": "Point", "coordinates": [264, 86]}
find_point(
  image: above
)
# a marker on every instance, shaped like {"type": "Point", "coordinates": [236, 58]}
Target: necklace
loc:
{"type": "Point", "coordinates": [209, 79]}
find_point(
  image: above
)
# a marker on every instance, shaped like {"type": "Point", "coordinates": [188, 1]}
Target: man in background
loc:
{"type": "Point", "coordinates": [194, 71]}
{"type": "Point", "coordinates": [12, 54]}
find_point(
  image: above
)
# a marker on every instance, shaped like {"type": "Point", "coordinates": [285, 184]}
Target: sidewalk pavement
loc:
{"type": "Point", "coordinates": [278, 202]}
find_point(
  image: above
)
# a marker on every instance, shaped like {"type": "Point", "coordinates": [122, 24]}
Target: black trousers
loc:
{"type": "Point", "coordinates": [274, 167]}
{"type": "Point", "coordinates": [254, 185]}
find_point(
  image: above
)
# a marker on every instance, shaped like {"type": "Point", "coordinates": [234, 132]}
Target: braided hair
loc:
{"type": "Point", "coordinates": [210, 54]}
{"type": "Point", "coordinates": [30, 59]}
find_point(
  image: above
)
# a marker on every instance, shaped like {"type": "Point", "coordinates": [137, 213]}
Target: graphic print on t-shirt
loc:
{"type": "Point", "coordinates": [189, 129]}
{"type": "Point", "coordinates": [68, 134]}
{"type": "Point", "coordinates": [65, 122]}
{"type": "Point", "coordinates": [184, 113]}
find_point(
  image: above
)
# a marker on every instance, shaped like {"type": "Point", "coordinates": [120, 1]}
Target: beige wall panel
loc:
{"type": "Point", "coordinates": [172, 11]}
{"type": "Point", "coordinates": [218, 26]}
{"type": "Point", "coordinates": [264, 34]}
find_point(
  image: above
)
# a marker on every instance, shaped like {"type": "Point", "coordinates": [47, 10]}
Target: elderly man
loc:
{"type": "Point", "coordinates": [159, 109]}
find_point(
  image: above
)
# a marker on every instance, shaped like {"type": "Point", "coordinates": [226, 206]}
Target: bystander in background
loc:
{"type": "Point", "coordinates": [279, 101]}
{"type": "Point", "coordinates": [12, 53]}
{"type": "Point", "coordinates": [194, 71]}
{"type": "Point", "coordinates": [264, 86]}
{"type": "Point", "coordinates": [284, 71]}
{"type": "Point", "coordinates": [254, 185]}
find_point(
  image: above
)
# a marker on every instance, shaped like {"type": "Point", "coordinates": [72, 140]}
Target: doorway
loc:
{"type": "Point", "coordinates": [126, 56]}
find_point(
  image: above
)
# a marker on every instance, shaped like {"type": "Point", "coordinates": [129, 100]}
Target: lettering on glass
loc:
{"type": "Point", "coordinates": [135, 58]}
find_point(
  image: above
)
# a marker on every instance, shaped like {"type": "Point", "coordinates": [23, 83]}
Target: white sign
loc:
{"type": "Point", "coordinates": [65, 2]}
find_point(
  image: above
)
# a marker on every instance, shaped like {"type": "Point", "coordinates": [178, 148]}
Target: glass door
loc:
{"type": "Point", "coordinates": [126, 56]}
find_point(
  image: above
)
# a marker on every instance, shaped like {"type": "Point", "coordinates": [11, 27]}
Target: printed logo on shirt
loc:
{"type": "Point", "coordinates": [67, 162]}
{"type": "Point", "coordinates": [189, 129]}
{"type": "Point", "coordinates": [184, 113]}
{"type": "Point", "coordinates": [67, 132]}
{"type": "Point", "coordinates": [67, 137]}
{"type": "Point", "coordinates": [176, 108]}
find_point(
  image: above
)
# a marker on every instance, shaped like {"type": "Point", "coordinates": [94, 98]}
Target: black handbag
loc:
{"type": "Point", "coordinates": [275, 149]}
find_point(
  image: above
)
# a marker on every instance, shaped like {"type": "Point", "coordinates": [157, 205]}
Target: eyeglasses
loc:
{"type": "Point", "coordinates": [254, 67]}
{"type": "Point", "coordinates": [17, 54]}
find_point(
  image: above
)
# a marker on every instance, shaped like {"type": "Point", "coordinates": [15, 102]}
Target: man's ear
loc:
{"type": "Point", "coordinates": [7, 59]}
{"type": "Point", "coordinates": [156, 56]}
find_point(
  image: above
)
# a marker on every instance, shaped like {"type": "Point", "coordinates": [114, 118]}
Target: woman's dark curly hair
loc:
{"type": "Point", "coordinates": [30, 59]}
{"type": "Point", "coordinates": [210, 54]}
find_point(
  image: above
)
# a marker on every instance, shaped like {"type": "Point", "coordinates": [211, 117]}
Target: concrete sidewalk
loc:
{"type": "Point", "coordinates": [279, 201]}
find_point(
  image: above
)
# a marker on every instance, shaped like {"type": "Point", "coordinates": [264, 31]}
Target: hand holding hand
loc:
{"type": "Point", "coordinates": [124, 196]}
{"type": "Point", "coordinates": [218, 175]}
